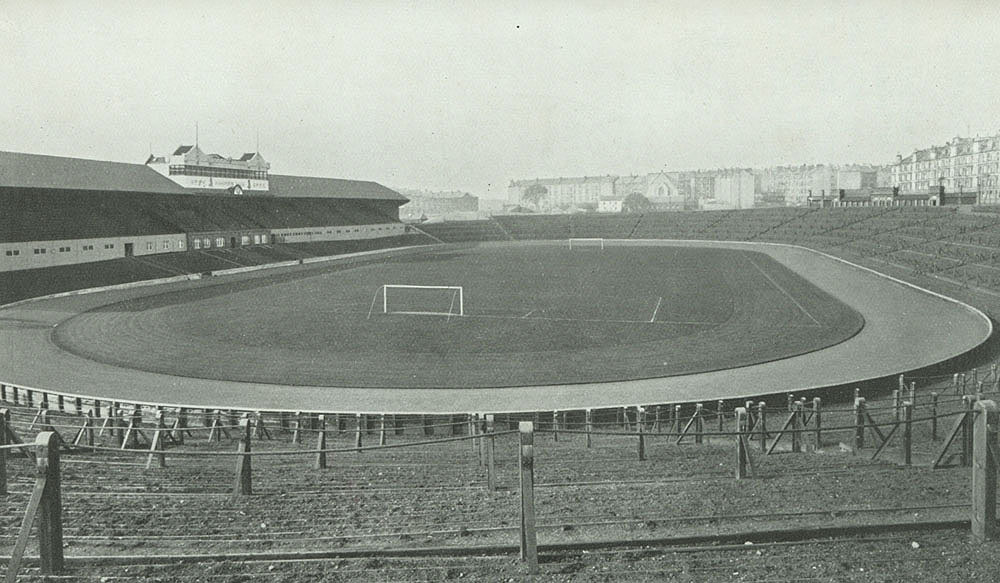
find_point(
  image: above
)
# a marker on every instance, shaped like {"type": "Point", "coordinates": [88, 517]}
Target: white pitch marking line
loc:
{"type": "Point", "coordinates": [782, 290]}
{"type": "Point", "coordinates": [587, 320]}
{"type": "Point", "coordinates": [656, 309]}
{"type": "Point", "coordinates": [528, 314]}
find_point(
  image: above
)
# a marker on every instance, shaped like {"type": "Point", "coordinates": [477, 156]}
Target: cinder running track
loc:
{"type": "Point", "coordinates": [906, 328]}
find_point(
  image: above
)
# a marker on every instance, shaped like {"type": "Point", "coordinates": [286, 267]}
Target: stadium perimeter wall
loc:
{"type": "Point", "coordinates": [902, 333]}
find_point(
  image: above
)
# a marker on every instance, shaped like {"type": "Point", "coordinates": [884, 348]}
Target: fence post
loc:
{"type": "Point", "coordinates": [677, 420]}
{"type": "Point", "coordinates": [182, 423]}
{"type": "Point", "coordinates": [967, 431]}
{"type": "Point", "coordinates": [640, 432]}
{"type": "Point", "coordinates": [50, 537]}
{"type": "Point", "coordinates": [555, 425]}
{"type": "Point", "coordinates": [297, 432]}
{"type": "Point", "coordinates": [859, 423]}
{"type": "Point", "coordinates": [699, 423]}
{"type": "Point", "coordinates": [961, 380]}
{"type": "Point", "coordinates": [589, 421]}
{"type": "Point", "coordinates": [4, 413]}
{"type": "Point", "coordinates": [156, 447]}
{"type": "Point", "coordinates": [89, 420]}
{"type": "Point", "coordinates": [741, 452]}
{"type": "Point", "coordinates": [481, 426]}
{"type": "Point", "coordinates": [471, 422]}
{"type": "Point", "coordinates": [491, 470]}
{"type": "Point", "coordinates": [907, 433]}
{"type": "Point", "coordinates": [790, 398]}
{"type": "Point", "coordinates": [761, 427]}
{"type": "Point", "coordinates": [817, 423]}
{"type": "Point", "coordinates": [529, 540]}
{"type": "Point", "coordinates": [244, 479]}
{"type": "Point", "coordinates": [797, 427]}
{"type": "Point", "coordinates": [359, 423]}
{"type": "Point", "coordinates": [321, 443]}
{"type": "Point", "coordinates": [913, 393]}
{"type": "Point", "coordinates": [718, 413]}
{"type": "Point", "coordinates": [934, 412]}
{"type": "Point", "coordinates": [382, 435]}
{"type": "Point", "coordinates": [986, 451]}
{"type": "Point", "coordinates": [897, 404]}
{"type": "Point", "coordinates": [975, 377]}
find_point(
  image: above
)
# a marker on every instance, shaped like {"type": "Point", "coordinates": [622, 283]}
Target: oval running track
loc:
{"type": "Point", "coordinates": [906, 328]}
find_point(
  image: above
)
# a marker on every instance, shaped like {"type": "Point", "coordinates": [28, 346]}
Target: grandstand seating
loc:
{"type": "Point", "coordinates": [926, 240]}
{"type": "Point", "coordinates": [465, 231]}
{"type": "Point", "coordinates": [19, 285]}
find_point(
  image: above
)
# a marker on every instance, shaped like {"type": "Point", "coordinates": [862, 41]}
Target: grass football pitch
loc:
{"type": "Point", "coordinates": [533, 315]}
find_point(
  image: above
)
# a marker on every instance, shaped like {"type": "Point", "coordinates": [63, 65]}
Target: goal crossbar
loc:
{"type": "Point", "coordinates": [457, 295]}
{"type": "Point", "coordinates": [579, 240]}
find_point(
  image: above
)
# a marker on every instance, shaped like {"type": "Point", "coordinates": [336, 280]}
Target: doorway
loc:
{"type": "Point", "coordinates": [129, 249]}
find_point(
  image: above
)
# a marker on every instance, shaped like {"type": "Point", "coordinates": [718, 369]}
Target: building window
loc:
{"type": "Point", "coordinates": [166, 244]}
{"type": "Point", "coordinates": [245, 240]}
{"type": "Point", "coordinates": [109, 245]}
{"type": "Point", "coordinates": [88, 247]}
{"type": "Point", "coordinates": [39, 251]}
{"type": "Point", "coordinates": [13, 252]}
{"type": "Point", "coordinates": [64, 249]}
{"type": "Point", "coordinates": [220, 241]}
{"type": "Point", "coordinates": [149, 246]}
{"type": "Point", "coordinates": [197, 243]}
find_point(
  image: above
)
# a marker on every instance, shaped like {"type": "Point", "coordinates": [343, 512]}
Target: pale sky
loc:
{"type": "Point", "coordinates": [469, 95]}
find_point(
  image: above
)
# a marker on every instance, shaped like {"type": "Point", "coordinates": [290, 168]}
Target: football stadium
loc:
{"type": "Point", "coordinates": [211, 371]}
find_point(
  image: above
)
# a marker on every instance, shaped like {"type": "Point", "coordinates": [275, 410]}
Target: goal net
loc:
{"type": "Point", "coordinates": [439, 300]}
{"type": "Point", "coordinates": [586, 242]}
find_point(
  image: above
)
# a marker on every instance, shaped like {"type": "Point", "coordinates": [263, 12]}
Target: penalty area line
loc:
{"type": "Point", "coordinates": [656, 309]}
{"type": "Point", "coordinates": [782, 290]}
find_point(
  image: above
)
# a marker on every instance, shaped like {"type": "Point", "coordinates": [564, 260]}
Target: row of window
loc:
{"type": "Point", "coordinates": [333, 232]}
{"type": "Point", "coordinates": [213, 172]}
{"type": "Point", "coordinates": [206, 243]}
{"type": "Point", "coordinates": [200, 243]}
{"type": "Point", "coordinates": [150, 246]}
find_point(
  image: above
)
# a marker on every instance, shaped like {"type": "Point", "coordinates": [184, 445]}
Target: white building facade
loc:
{"type": "Point", "coordinates": [962, 165]}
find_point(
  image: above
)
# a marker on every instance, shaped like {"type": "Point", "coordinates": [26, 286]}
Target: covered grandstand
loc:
{"type": "Point", "coordinates": [62, 211]}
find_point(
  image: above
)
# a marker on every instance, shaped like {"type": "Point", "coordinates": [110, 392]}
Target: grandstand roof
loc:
{"type": "Point", "coordinates": [20, 170]}
{"type": "Point", "coordinates": [313, 187]}
{"type": "Point", "coordinates": [56, 172]}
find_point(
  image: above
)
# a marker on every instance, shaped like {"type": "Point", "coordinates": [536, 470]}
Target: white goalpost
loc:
{"type": "Point", "coordinates": [586, 242]}
{"type": "Point", "coordinates": [431, 300]}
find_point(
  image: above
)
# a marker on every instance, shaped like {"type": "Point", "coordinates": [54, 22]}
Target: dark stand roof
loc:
{"type": "Point", "coordinates": [313, 187]}
{"type": "Point", "coordinates": [58, 173]}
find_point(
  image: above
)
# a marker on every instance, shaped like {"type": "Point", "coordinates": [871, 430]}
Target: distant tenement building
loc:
{"type": "Point", "coordinates": [961, 166]}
